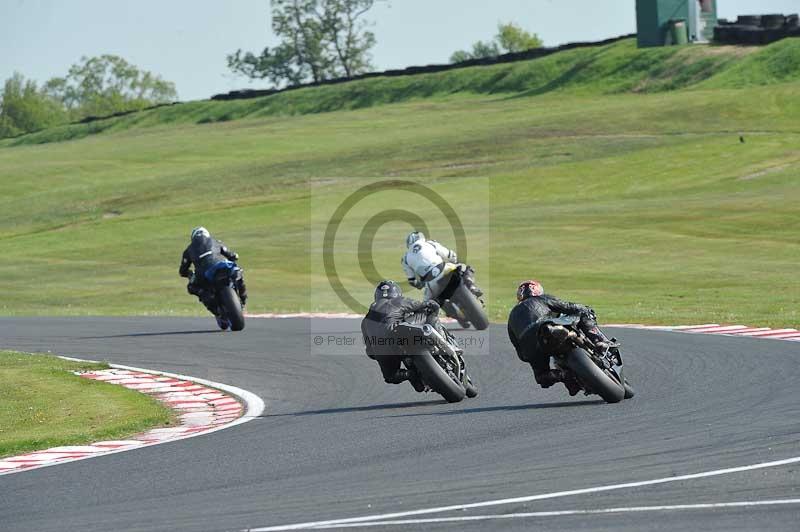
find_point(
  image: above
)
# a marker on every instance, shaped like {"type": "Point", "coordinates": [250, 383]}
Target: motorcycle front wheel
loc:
{"type": "Point", "coordinates": [232, 306]}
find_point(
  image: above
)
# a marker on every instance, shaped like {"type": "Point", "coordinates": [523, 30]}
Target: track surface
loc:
{"type": "Point", "coordinates": [335, 442]}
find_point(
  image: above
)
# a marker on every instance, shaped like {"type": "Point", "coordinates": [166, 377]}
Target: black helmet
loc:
{"type": "Point", "coordinates": [387, 290]}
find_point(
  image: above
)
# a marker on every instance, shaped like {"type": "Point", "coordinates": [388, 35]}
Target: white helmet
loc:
{"type": "Point", "coordinates": [413, 238]}
{"type": "Point", "coordinates": [198, 232]}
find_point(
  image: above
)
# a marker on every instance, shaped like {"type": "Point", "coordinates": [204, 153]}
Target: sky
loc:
{"type": "Point", "coordinates": [187, 41]}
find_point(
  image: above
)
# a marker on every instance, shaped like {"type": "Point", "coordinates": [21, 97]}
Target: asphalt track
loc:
{"type": "Point", "coordinates": [337, 443]}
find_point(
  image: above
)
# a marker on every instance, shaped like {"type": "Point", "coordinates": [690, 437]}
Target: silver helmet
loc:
{"type": "Point", "coordinates": [200, 232]}
{"type": "Point", "coordinates": [414, 237]}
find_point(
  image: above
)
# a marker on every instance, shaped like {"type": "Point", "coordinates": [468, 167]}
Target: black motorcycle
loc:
{"type": "Point", "coordinates": [597, 369]}
{"type": "Point", "coordinates": [438, 360]}
{"type": "Point", "coordinates": [226, 281]}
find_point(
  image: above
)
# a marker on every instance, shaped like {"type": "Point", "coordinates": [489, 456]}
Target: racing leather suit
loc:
{"type": "Point", "coordinates": [380, 337]}
{"type": "Point", "coordinates": [424, 265]}
{"type": "Point", "coordinates": [204, 253]}
{"type": "Point", "coordinates": [523, 329]}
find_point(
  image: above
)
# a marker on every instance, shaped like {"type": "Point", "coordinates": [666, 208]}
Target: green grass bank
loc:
{"type": "Point", "coordinates": [614, 175]}
{"type": "Point", "coordinates": [43, 404]}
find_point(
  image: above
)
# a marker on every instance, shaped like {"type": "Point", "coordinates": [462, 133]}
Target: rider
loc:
{"type": "Point", "coordinates": [523, 325]}
{"type": "Point", "coordinates": [206, 253]}
{"type": "Point", "coordinates": [379, 330]}
{"type": "Point", "coordinates": [424, 264]}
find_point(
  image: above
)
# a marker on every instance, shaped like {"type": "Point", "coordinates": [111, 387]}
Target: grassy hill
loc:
{"type": "Point", "coordinates": [614, 175]}
{"type": "Point", "coordinates": [611, 69]}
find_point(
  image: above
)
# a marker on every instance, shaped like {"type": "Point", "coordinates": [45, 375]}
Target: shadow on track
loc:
{"type": "Point", "coordinates": [138, 335]}
{"type": "Point", "coordinates": [418, 404]}
{"type": "Point", "coordinates": [506, 408]}
{"type": "Point", "coordinates": [369, 408]}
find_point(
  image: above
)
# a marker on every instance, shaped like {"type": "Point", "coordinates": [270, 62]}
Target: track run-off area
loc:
{"type": "Point", "coordinates": [710, 442]}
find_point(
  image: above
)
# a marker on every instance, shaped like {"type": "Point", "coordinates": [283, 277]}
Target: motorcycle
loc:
{"type": "Point", "coordinates": [226, 279]}
{"type": "Point", "coordinates": [438, 360]}
{"type": "Point", "coordinates": [597, 369]}
{"type": "Point", "coordinates": [460, 298]}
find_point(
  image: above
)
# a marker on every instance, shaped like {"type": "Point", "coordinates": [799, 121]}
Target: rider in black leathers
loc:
{"type": "Point", "coordinates": [379, 330]}
{"type": "Point", "coordinates": [523, 328]}
{"type": "Point", "coordinates": [204, 252]}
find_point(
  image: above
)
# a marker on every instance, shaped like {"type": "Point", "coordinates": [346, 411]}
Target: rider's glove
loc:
{"type": "Point", "coordinates": [432, 307]}
{"type": "Point", "coordinates": [234, 256]}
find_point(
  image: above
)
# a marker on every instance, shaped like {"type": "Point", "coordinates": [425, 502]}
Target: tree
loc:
{"type": "Point", "coordinates": [510, 38]}
{"type": "Point", "coordinates": [320, 39]}
{"type": "Point", "coordinates": [108, 84]}
{"type": "Point", "coordinates": [25, 108]}
{"type": "Point", "coordinates": [347, 32]}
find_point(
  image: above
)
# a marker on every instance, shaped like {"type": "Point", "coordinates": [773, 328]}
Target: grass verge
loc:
{"type": "Point", "coordinates": [43, 405]}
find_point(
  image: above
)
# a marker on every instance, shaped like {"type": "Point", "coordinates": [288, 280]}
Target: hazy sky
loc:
{"type": "Point", "coordinates": [186, 41]}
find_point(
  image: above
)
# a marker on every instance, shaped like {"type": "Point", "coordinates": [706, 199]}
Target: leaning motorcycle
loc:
{"type": "Point", "coordinates": [459, 298]}
{"type": "Point", "coordinates": [226, 280]}
{"type": "Point", "coordinates": [598, 370]}
{"type": "Point", "coordinates": [438, 360]}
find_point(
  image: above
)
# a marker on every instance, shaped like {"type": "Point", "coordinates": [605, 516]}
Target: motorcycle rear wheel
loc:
{"type": "Point", "coordinates": [230, 303]}
{"type": "Point", "coordinates": [593, 377]}
{"type": "Point", "coordinates": [471, 307]}
{"type": "Point", "coordinates": [438, 379]}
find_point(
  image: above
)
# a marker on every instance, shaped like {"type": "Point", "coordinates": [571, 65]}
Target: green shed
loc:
{"type": "Point", "coordinates": [655, 20]}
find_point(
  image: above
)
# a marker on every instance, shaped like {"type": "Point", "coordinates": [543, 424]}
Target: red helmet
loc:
{"type": "Point", "coordinates": [529, 289]}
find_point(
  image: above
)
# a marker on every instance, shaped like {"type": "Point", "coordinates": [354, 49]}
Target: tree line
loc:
{"type": "Point", "coordinates": [319, 40]}
{"type": "Point", "coordinates": [95, 86]}
{"type": "Point", "coordinates": [326, 39]}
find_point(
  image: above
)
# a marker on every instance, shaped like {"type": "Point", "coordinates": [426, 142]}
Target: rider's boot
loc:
{"type": "Point", "coordinates": [242, 292]}
{"type": "Point", "coordinates": [223, 323]}
{"type": "Point", "coordinates": [469, 280]}
{"type": "Point", "coordinates": [571, 384]}
{"type": "Point", "coordinates": [548, 378]}
{"type": "Point", "coordinates": [208, 301]}
{"type": "Point", "coordinates": [416, 381]}
{"type": "Point", "coordinates": [403, 375]}
{"type": "Point", "coordinates": [553, 376]}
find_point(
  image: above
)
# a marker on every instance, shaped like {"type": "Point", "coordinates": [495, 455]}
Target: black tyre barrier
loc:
{"type": "Point", "coordinates": [748, 20]}
{"type": "Point", "coordinates": [772, 22]}
{"type": "Point", "coordinates": [535, 53]}
{"type": "Point", "coordinates": [760, 30]}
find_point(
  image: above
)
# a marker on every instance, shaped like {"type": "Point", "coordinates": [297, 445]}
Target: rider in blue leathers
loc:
{"type": "Point", "coordinates": [206, 254]}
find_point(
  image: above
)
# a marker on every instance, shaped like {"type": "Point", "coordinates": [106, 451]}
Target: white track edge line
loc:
{"type": "Point", "coordinates": [527, 498]}
{"type": "Point", "coordinates": [561, 513]}
{"type": "Point", "coordinates": [254, 407]}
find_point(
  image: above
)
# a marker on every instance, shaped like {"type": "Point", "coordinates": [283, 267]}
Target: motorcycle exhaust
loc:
{"type": "Point", "coordinates": [430, 332]}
